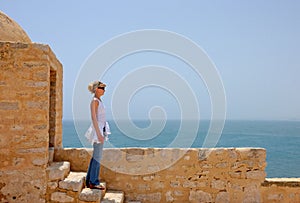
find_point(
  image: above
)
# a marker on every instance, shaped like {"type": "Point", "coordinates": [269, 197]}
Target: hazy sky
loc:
{"type": "Point", "coordinates": [255, 46]}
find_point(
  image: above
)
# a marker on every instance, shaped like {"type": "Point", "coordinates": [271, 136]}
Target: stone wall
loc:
{"type": "Point", "coordinates": [283, 190]}
{"type": "Point", "coordinates": [25, 106]}
{"type": "Point", "coordinates": [178, 175]}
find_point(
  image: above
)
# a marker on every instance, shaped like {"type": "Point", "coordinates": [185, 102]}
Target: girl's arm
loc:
{"type": "Point", "coordinates": [94, 107]}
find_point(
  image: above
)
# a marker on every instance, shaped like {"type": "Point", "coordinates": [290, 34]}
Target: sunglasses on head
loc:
{"type": "Point", "coordinates": [103, 88]}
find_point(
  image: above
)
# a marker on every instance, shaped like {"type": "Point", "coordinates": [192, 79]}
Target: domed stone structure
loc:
{"type": "Point", "coordinates": [30, 114]}
{"type": "Point", "coordinates": [10, 30]}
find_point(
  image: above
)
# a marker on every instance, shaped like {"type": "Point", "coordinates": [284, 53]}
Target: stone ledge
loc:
{"type": "Point", "coordinates": [284, 182]}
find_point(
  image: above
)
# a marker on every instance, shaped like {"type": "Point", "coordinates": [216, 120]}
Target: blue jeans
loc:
{"type": "Point", "coordinates": [92, 176]}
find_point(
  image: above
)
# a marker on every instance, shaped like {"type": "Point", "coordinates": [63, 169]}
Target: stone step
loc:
{"type": "Point", "coordinates": [58, 170]}
{"type": "Point", "coordinates": [88, 195]}
{"type": "Point", "coordinates": [113, 197]}
{"type": "Point", "coordinates": [74, 182]}
{"type": "Point", "coordinates": [133, 201]}
{"type": "Point", "coordinates": [92, 195]}
{"type": "Point", "coordinates": [61, 197]}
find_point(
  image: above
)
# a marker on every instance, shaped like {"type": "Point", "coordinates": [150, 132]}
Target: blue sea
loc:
{"type": "Point", "coordinates": [281, 139]}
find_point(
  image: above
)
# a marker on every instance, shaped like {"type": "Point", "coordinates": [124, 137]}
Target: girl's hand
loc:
{"type": "Point", "coordinates": [101, 139]}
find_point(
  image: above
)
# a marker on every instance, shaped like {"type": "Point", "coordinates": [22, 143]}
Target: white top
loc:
{"type": "Point", "coordinates": [100, 114]}
{"type": "Point", "coordinates": [91, 134]}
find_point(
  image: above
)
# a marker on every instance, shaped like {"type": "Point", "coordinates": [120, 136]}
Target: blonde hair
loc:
{"type": "Point", "coordinates": [94, 85]}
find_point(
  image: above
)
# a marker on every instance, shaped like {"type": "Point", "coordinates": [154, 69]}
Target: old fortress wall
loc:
{"type": "Point", "coordinates": [31, 153]}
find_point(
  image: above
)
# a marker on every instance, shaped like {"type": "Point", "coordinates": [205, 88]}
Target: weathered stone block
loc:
{"type": "Point", "coordinates": [74, 181]}
{"type": "Point", "coordinates": [37, 105]}
{"type": "Point", "coordinates": [232, 153]}
{"type": "Point", "coordinates": [252, 194]}
{"type": "Point", "coordinates": [143, 187]}
{"type": "Point", "coordinates": [218, 184]}
{"type": "Point", "coordinates": [223, 197]}
{"type": "Point", "coordinates": [169, 197]}
{"type": "Point", "coordinates": [58, 170]}
{"type": "Point", "coordinates": [110, 155]}
{"type": "Point", "coordinates": [89, 195]}
{"type": "Point", "coordinates": [250, 153]}
{"type": "Point", "coordinates": [150, 197]}
{"type": "Point", "coordinates": [52, 185]}
{"type": "Point", "coordinates": [256, 175]}
{"type": "Point", "coordinates": [204, 154]}
{"type": "Point", "coordinates": [113, 197]}
{"type": "Point", "coordinates": [9, 106]}
{"type": "Point", "coordinates": [276, 197]}
{"type": "Point", "coordinates": [189, 184]}
{"type": "Point", "coordinates": [36, 84]}
{"type": "Point", "coordinates": [133, 155]}
{"type": "Point", "coordinates": [235, 174]}
{"type": "Point", "coordinates": [40, 161]}
{"type": "Point", "coordinates": [61, 197]}
{"type": "Point", "coordinates": [174, 184]}
{"type": "Point", "coordinates": [200, 196]}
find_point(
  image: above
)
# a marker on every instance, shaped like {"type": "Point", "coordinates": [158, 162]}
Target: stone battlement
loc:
{"type": "Point", "coordinates": [187, 175]}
